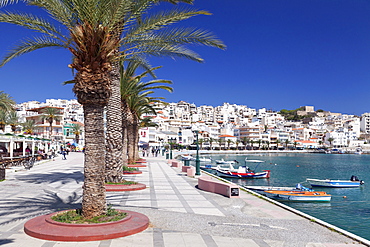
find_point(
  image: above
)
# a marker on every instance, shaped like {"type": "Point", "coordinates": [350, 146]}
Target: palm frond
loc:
{"type": "Point", "coordinates": [30, 45]}
{"type": "Point", "coordinates": [33, 23]}
{"type": "Point", "coordinates": [162, 19]}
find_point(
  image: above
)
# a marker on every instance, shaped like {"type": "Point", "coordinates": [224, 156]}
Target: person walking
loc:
{"type": "Point", "coordinates": [64, 153]}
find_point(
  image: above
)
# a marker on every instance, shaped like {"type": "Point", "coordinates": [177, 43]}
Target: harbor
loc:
{"type": "Point", "coordinates": [289, 169]}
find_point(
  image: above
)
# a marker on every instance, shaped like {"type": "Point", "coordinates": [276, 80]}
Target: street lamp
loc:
{"type": "Point", "coordinates": [197, 161]}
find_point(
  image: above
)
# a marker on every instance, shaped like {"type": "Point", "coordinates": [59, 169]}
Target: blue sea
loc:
{"type": "Point", "coordinates": [348, 209]}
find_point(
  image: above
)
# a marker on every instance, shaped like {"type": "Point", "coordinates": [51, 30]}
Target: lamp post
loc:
{"type": "Point", "coordinates": [197, 161]}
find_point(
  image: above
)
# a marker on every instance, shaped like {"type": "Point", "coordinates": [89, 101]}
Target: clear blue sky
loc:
{"type": "Point", "coordinates": [281, 54]}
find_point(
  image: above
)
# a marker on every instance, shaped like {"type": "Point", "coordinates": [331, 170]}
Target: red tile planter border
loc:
{"type": "Point", "coordinates": [123, 187]}
{"type": "Point", "coordinates": [136, 165]}
{"type": "Point", "coordinates": [43, 227]}
{"type": "Point", "coordinates": [132, 172]}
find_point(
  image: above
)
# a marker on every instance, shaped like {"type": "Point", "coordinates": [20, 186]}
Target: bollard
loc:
{"type": "Point", "coordinates": [190, 172]}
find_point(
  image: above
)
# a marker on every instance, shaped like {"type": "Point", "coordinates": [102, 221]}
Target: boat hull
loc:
{"type": "Point", "coordinates": [300, 196]}
{"type": "Point", "coordinates": [333, 183]}
{"type": "Point", "coordinates": [229, 174]}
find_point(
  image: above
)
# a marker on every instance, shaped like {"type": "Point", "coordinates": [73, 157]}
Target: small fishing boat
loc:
{"type": "Point", "coordinates": [262, 189]}
{"type": "Point", "coordinates": [240, 172]}
{"type": "Point", "coordinates": [298, 195]}
{"type": "Point", "coordinates": [335, 183]}
{"type": "Point", "coordinates": [222, 161]}
{"type": "Point", "coordinates": [187, 157]}
{"type": "Point", "coordinates": [204, 159]}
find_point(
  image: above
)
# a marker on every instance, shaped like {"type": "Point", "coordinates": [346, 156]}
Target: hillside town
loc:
{"type": "Point", "coordinates": [228, 126]}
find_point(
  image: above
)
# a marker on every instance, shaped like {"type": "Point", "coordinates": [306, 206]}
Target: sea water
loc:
{"type": "Point", "coordinates": [348, 209]}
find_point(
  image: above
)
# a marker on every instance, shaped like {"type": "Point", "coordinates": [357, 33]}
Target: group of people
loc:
{"type": "Point", "coordinates": [146, 152]}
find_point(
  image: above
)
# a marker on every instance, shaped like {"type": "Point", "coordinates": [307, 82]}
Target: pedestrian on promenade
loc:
{"type": "Point", "coordinates": [64, 154]}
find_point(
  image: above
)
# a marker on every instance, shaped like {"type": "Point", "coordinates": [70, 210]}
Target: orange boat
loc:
{"type": "Point", "coordinates": [296, 195]}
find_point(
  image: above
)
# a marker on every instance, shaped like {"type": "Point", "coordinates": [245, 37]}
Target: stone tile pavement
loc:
{"type": "Point", "coordinates": [179, 213]}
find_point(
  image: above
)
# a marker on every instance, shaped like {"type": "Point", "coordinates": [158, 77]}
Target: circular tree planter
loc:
{"type": "Point", "coordinates": [43, 227]}
{"type": "Point", "coordinates": [124, 187]}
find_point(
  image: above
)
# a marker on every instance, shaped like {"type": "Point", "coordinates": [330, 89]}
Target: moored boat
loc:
{"type": "Point", "coordinates": [241, 172]}
{"type": "Point", "coordinates": [335, 183]}
{"type": "Point", "coordinates": [296, 195]}
{"type": "Point", "coordinates": [222, 161]}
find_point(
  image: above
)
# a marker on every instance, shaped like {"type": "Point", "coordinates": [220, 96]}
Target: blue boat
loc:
{"type": "Point", "coordinates": [335, 183]}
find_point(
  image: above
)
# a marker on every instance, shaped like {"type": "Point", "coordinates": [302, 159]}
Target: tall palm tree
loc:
{"type": "Point", "coordinates": [211, 140]}
{"type": "Point", "coordinates": [77, 130]}
{"type": "Point", "coordinates": [13, 120]}
{"type": "Point", "coordinates": [144, 35]}
{"type": "Point", "coordinates": [136, 101]}
{"type": "Point", "coordinates": [51, 114]}
{"type": "Point", "coordinates": [29, 127]}
{"type": "Point", "coordinates": [84, 28]}
{"type": "Point", "coordinates": [6, 102]}
{"type": "Point", "coordinates": [3, 119]}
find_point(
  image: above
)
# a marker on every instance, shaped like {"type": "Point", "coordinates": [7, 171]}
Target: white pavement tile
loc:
{"type": "Point", "coordinates": [167, 203]}
{"type": "Point", "coordinates": [142, 239]}
{"type": "Point", "coordinates": [207, 211]}
{"type": "Point", "coordinates": [179, 210]}
{"type": "Point", "coordinates": [274, 243]}
{"type": "Point", "coordinates": [183, 240]}
{"type": "Point", "coordinates": [235, 242]}
{"type": "Point", "coordinates": [200, 203]}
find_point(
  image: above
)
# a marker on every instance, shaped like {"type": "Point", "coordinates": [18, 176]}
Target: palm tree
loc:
{"type": "Point", "coordinates": [146, 35]}
{"type": "Point", "coordinates": [77, 130]}
{"type": "Point", "coordinates": [210, 140]}
{"type": "Point", "coordinates": [29, 127]}
{"type": "Point", "coordinates": [7, 104]}
{"type": "Point", "coordinates": [237, 142]}
{"type": "Point", "coordinates": [84, 28]}
{"type": "Point", "coordinates": [13, 120]}
{"type": "Point", "coordinates": [51, 114]}
{"type": "Point", "coordinates": [330, 140]}
{"type": "Point", "coordinates": [136, 102]}
{"type": "Point", "coordinates": [220, 142]}
{"type": "Point", "coordinates": [229, 142]}
{"type": "Point", "coordinates": [3, 119]}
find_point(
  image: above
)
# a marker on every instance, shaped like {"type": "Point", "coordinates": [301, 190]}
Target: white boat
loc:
{"type": "Point", "coordinates": [240, 172]}
{"type": "Point", "coordinates": [335, 183]}
{"type": "Point", "coordinates": [187, 157]}
{"type": "Point", "coordinates": [222, 161]}
{"type": "Point", "coordinates": [204, 159]}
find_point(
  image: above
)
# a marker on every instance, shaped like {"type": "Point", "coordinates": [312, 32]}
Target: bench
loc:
{"type": "Point", "coordinates": [214, 185]}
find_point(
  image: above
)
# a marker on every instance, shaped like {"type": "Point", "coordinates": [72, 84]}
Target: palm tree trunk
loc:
{"type": "Point", "coordinates": [94, 200]}
{"type": "Point", "coordinates": [51, 129]}
{"type": "Point", "coordinates": [114, 155]}
{"type": "Point", "coordinates": [124, 108]}
{"type": "Point", "coordinates": [130, 138]}
{"type": "Point", "coordinates": [135, 130]}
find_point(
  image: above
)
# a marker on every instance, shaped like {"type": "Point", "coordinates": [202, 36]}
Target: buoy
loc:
{"type": "Point", "coordinates": [297, 165]}
{"type": "Point", "coordinates": [344, 197]}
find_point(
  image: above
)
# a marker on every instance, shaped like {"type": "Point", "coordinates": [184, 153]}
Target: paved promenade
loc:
{"type": "Point", "coordinates": [179, 213]}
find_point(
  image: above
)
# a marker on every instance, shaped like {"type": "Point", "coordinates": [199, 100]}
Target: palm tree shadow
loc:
{"type": "Point", "coordinates": [21, 208]}
{"type": "Point", "coordinates": [60, 177]}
